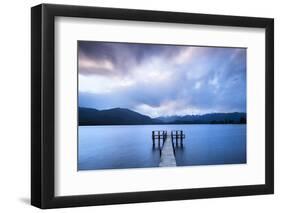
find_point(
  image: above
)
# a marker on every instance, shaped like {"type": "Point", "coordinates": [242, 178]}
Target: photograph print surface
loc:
{"type": "Point", "coordinates": [160, 105]}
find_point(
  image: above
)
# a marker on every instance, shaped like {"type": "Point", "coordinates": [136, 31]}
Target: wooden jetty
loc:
{"type": "Point", "coordinates": [168, 158]}
{"type": "Point", "coordinates": [177, 136]}
{"type": "Point", "coordinates": [166, 145]}
{"type": "Point", "coordinates": [159, 136]}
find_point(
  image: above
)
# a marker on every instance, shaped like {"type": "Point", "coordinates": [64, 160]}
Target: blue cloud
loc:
{"type": "Point", "coordinates": [162, 79]}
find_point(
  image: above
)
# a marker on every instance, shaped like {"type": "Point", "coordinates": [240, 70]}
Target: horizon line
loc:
{"type": "Point", "coordinates": [163, 115]}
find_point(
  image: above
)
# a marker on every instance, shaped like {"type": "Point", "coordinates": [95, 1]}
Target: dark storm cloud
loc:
{"type": "Point", "coordinates": [122, 56]}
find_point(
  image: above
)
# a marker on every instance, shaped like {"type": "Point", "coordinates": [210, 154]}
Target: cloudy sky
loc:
{"type": "Point", "coordinates": [161, 80]}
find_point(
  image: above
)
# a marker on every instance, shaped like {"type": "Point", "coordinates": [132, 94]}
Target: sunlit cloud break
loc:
{"type": "Point", "coordinates": [161, 80]}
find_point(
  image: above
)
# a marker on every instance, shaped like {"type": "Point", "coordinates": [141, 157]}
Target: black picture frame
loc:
{"type": "Point", "coordinates": [43, 111]}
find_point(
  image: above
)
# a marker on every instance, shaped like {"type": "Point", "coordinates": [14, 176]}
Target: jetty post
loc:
{"type": "Point", "coordinates": [153, 138]}
{"type": "Point", "coordinates": [181, 138]}
{"type": "Point", "coordinates": [159, 138]}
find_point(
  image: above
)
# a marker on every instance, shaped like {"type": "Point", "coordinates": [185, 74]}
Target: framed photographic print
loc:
{"type": "Point", "coordinates": [140, 106]}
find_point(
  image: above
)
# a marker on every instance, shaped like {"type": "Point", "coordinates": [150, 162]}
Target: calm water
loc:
{"type": "Point", "coordinates": [115, 147]}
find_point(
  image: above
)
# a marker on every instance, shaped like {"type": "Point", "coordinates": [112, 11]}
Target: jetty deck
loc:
{"type": "Point", "coordinates": [167, 145]}
{"type": "Point", "coordinates": [167, 158]}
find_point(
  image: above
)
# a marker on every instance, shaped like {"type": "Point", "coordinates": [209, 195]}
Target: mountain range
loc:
{"type": "Point", "coordinates": [122, 116]}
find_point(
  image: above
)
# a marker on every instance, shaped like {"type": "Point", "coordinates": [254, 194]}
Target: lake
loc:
{"type": "Point", "coordinates": [130, 146]}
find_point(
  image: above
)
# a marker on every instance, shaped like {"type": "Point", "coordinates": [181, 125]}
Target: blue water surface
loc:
{"type": "Point", "coordinates": [117, 147]}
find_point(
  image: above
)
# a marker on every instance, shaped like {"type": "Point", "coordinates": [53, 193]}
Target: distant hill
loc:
{"type": "Point", "coordinates": [121, 116]}
{"type": "Point", "coordinates": [211, 118]}
{"type": "Point", "coordinates": [115, 116]}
